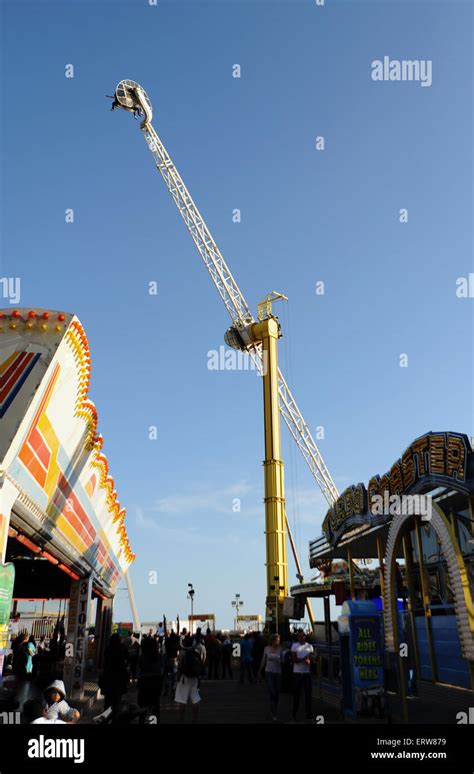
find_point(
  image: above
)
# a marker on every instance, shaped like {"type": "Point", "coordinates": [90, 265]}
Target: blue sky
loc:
{"type": "Point", "coordinates": [307, 216]}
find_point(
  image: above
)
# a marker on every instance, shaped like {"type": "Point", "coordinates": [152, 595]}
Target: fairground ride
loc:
{"type": "Point", "coordinates": [259, 338]}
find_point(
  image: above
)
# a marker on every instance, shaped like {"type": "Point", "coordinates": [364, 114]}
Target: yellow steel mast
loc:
{"type": "Point", "coordinates": [268, 331]}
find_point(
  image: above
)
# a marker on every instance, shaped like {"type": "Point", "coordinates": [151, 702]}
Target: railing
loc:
{"type": "Point", "coordinates": [38, 625]}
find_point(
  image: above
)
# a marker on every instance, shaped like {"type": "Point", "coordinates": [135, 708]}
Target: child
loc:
{"type": "Point", "coordinates": [56, 704]}
{"type": "Point", "coordinates": [34, 712]}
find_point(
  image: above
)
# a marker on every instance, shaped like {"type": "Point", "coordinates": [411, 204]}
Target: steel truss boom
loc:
{"type": "Point", "coordinates": [130, 96]}
{"type": "Point", "coordinates": [222, 277]}
{"type": "Point", "coordinates": [236, 305]}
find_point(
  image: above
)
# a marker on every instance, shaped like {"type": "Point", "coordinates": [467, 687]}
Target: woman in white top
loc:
{"type": "Point", "coordinates": [271, 662]}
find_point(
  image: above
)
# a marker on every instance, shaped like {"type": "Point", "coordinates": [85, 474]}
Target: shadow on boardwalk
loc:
{"type": "Point", "coordinates": [229, 702]}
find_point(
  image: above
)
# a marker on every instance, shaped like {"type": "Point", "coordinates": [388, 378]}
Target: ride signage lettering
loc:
{"type": "Point", "coordinates": [366, 652]}
{"type": "Point", "coordinates": [77, 633]}
{"type": "Point", "coordinates": [434, 459]}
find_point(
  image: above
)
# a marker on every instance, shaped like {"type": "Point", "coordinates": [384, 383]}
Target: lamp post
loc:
{"type": "Point", "coordinates": [237, 604]}
{"type": "Point", "coordinates": [191, 593]}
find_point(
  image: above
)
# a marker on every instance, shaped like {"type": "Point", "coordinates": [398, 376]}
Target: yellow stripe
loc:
{"type": "Point", "coordinates": [63, 525]}
{"type": "Point", "coordinates": [6, 363]}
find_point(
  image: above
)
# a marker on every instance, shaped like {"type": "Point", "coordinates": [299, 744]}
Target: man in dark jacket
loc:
{"type": "Point", "coordinates": [114, 680]}
{"type": "Point", "coordinates": [151, 666]}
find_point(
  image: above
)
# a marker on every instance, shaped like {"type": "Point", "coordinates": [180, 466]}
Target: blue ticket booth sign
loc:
{"type": "Point", "coordinates": [362, 659]}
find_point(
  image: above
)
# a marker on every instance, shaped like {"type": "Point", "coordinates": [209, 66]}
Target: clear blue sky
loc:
{"type": "Point", "coordinates": [307, 216]}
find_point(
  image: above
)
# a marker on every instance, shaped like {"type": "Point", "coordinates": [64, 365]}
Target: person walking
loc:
{"type": "Point", "coordinates": [227, 657]}
{"type": "Point", "coordinates": [20, 656]}
{"type": "Point", "coordinates": [302, 653]}
{"type": "Point", "coordinates": [133, 654]}
{"type": "Point", "coordinates": [192, 658]}
{"type": "Point", "coordinates": [213, 648]}
{"type": "Point", "coordinates": [171, 668]}
{"type": "Point", "coordinates": [246, 651]}
{"type": "Point", "coordinates": [30, 653]}
{"type": "Point", "coordinates": [114, 679]}
{"type": "Point", "coordinates": [198, 638]}
{"type": "Point", "coordinates": [271, 665]}
{"type": "Point", "coordinates": [42, 653]}
{"type": "Point", "coordinates": [151, 667]}
{"type": "Point", "coordinates": [257, 652]}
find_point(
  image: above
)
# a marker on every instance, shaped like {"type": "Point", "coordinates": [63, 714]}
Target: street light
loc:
{"type": "Point", "coordinates": [191, 593]}
{"type": "Point", "coordinates": [237, 604]}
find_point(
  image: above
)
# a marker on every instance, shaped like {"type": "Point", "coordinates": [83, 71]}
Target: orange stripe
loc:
{"type": "Point", "coordinates": [37, 471]}
{"type": "Point", "coordinates": [39, 447]}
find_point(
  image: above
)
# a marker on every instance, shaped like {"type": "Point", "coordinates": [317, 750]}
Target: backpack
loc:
{"type": "Point", "coordinates": [192, 663]}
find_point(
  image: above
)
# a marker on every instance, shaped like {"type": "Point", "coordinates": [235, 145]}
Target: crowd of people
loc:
{"type": "Point", "coordinates": [163, 663]}
{"type": "Point", "coordinates": [37, 658]}
{"type": "Point", "coordinates": [167, 664]}
{"type": "Point", "coordinates": [175, 665]}
{"type": "Point", "coordinates": [39, 661]}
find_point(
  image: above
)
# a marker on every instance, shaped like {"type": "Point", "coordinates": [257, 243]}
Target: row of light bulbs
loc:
{"type": "Point", "coordinates": [16, 318]}
{"type": "Point", "coordinates": [30, 325]}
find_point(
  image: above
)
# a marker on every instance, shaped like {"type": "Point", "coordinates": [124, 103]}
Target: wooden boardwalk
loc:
{"type": "Point", "coordinates": [229, 702]}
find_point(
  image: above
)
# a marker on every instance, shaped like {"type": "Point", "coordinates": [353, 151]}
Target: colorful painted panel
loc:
{"type": "Point", "coordinates": [54, 454]}
{"type": "Point", "coordinates": [40, 448]}
{"type": "Point", "coordinates": [73, 519]}
{"type": "Point", "coordinates": [14, 371]}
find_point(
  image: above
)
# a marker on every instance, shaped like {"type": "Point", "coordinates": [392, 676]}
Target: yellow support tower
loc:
{"type": "Point", "coordinates": [267, 331]}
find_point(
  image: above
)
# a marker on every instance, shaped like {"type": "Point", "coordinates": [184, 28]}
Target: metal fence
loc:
{"type": "Point", "coordinates": [38, 625]}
